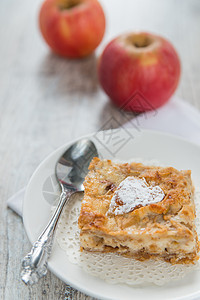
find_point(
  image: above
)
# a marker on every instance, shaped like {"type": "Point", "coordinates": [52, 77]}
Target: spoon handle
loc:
{"type": "Point", "coordinates": [34, 264]}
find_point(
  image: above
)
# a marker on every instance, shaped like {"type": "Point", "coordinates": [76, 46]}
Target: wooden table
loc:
{"type": "Point", "coordinates": [46, 101]}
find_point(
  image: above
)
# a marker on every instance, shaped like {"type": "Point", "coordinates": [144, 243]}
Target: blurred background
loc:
{"type": "Point", "coordinates": [46, 100]}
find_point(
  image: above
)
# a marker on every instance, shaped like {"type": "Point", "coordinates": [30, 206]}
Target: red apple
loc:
{"type": "Point", "coordinates": [139, 71]}
{"type": "Point", "coordinates": [72, 28]}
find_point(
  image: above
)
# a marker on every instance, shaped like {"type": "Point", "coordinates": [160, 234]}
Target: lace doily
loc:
{"type": "Point", "coordinates": [115, 268]}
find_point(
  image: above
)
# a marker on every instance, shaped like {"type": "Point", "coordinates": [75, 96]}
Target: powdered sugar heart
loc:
{"type": "Point", "coordinates": [133, 193]}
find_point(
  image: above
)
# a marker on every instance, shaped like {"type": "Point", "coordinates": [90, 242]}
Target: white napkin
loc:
{"type": "Point", "coordinates": [176, 117]}
{"type": "Point", "coordinates": [15, 202]}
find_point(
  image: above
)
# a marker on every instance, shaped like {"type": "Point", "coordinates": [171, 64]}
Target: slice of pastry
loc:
{"type": "Point", "coordinates": [139, 211]}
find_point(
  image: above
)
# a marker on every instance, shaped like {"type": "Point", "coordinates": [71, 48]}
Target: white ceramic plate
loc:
{"type": "Point", "coordinates": [120, 144]}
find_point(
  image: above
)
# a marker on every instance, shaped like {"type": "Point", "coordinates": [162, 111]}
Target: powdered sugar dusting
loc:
{"type": "Point", "coordinates": [133, 193]}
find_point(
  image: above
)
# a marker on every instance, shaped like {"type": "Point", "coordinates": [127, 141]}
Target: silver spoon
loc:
{"type": "Point", "coordinates": [71, 169]}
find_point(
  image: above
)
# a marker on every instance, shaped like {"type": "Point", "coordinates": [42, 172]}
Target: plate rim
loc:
{"type": "Point", "coordinates": [28, 231]}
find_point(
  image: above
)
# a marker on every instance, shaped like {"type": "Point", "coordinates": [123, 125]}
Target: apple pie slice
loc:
{"type": "Point", "coordinates": [139, 211]}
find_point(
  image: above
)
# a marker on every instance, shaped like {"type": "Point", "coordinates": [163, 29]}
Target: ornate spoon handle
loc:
{"type": "Point", "coordinates": [34, 264]}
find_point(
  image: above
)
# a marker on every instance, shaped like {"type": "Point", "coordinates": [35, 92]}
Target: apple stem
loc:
{"type": "Point", "coordinates": [68, 4]}
{"type": "Point", "coordinates": [140, 41]}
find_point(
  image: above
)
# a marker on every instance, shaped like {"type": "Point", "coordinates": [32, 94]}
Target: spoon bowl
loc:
{"type": "Point", "coordinates": [72, 167]}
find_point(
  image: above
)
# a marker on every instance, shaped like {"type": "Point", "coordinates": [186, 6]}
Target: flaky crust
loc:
{"type": "Point", "coordinates": [165, 229]}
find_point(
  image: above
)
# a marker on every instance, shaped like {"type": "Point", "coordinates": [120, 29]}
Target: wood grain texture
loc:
{"type": "Point", "coordinates": [46, 101]}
